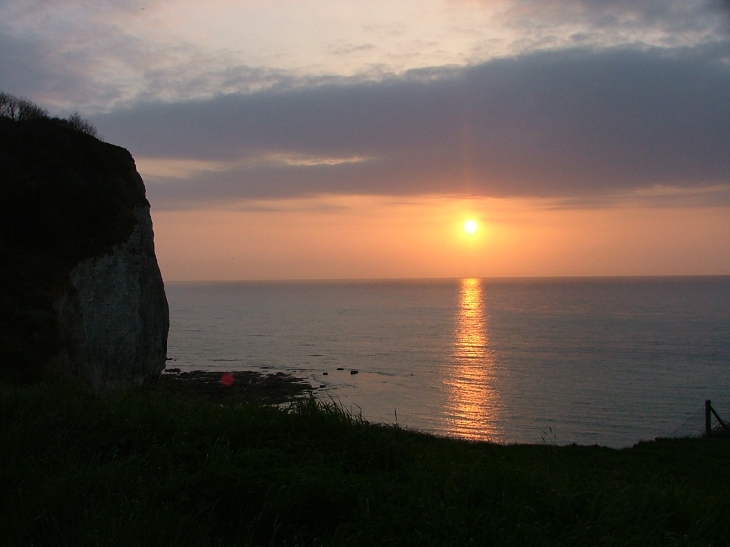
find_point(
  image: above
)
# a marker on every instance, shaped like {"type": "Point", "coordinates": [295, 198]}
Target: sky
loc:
{"type": "Point", "coordinates": [334, 139]}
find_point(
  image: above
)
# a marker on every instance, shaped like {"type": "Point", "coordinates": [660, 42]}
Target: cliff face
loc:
{"type": "Point", "coordinates": [81, 293]}
{"type": "Point", "coordinates": [113, 317]}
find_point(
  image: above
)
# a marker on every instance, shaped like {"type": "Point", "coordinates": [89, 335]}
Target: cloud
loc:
{"type": "Point", "coordinates": [97, 56]}
{"type": "Point", "coordinates": [555, 24]}
{"type": "Point", "coordinates": [567, 123]}
{"type": "Point", "coordinates": [66, 52]}
{"type": "Point", "coordinates": [676, 15]}
{"type": "Point", "coordinates": [51, 75]}
{"type": "Point", "coordinates": [71, 55]}
{"type": "Point", "coordinates": [550, 122]}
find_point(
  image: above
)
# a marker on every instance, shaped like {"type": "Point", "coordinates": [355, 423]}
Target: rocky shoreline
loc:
{"type": "Point", "coordinates": [249, 386]}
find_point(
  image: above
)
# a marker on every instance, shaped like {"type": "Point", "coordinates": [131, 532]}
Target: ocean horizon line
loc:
{"type": "Point", "coordinates": [379, 280]}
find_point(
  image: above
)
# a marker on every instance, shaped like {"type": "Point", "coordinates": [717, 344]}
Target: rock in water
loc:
{"type": "Point", "coordinates": [81, 293]}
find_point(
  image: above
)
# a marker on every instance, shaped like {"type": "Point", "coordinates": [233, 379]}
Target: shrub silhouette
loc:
{"type": "Point", "coordinates": [20, 110]}
{"type": "Point", "coordinates": [77, 123]}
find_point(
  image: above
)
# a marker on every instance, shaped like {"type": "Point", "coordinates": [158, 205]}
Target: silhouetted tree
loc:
{"type": "Point", "coordinates": [76, 122]}
{"type": "Point", "coordinates": [8, 106]}
{"type": "Point", "coordinates": [18, 109]}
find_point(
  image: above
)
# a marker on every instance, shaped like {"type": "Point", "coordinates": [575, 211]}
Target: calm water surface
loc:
{"type": "Point", "coordinates": [608, 361]}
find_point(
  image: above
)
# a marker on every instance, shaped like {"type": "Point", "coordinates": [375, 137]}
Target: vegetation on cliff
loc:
{"type": "Point", "coordinates": [150, 468]}
{"type": "Point", "coordinates": [64, 196]}
{"type": "Point", "coordinates": [18, 109]}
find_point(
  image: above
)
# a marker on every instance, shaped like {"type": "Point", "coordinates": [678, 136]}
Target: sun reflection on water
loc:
{"type": "Point", "coordinates": [472, 403]}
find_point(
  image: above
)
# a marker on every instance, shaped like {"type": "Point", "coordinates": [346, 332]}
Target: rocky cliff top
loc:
{"type": "Point", "coordinates": [62, 192]}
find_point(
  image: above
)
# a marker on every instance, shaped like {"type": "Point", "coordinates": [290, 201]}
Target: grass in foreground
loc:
{"type": "Point", "coordinates": [146, 468]}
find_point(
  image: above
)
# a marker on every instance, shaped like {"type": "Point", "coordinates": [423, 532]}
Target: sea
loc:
{"type": "Point", "coordinates": [607, 361]}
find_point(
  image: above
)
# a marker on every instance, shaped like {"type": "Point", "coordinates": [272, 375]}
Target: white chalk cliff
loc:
{"type": "Point", "coordinates": [113, 319]}
{"type": "Point", "coordinates": [81, 294]}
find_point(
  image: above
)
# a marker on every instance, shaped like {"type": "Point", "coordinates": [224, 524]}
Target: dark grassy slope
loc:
{"type": "Point", "coordinates": [145, 468]}
{"type": "Point", "coordinates": [64, 196]}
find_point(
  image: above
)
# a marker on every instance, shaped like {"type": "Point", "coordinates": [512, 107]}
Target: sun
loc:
{"type": "Point", "coordinates": [470, 226]}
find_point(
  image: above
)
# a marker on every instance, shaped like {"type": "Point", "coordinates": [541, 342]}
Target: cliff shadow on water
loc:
{"type": "Point", "coordinates": [81, 294]}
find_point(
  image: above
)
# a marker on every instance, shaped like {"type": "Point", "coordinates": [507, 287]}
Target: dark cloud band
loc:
{"type": "Point", "coordinates": [561, 123]}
